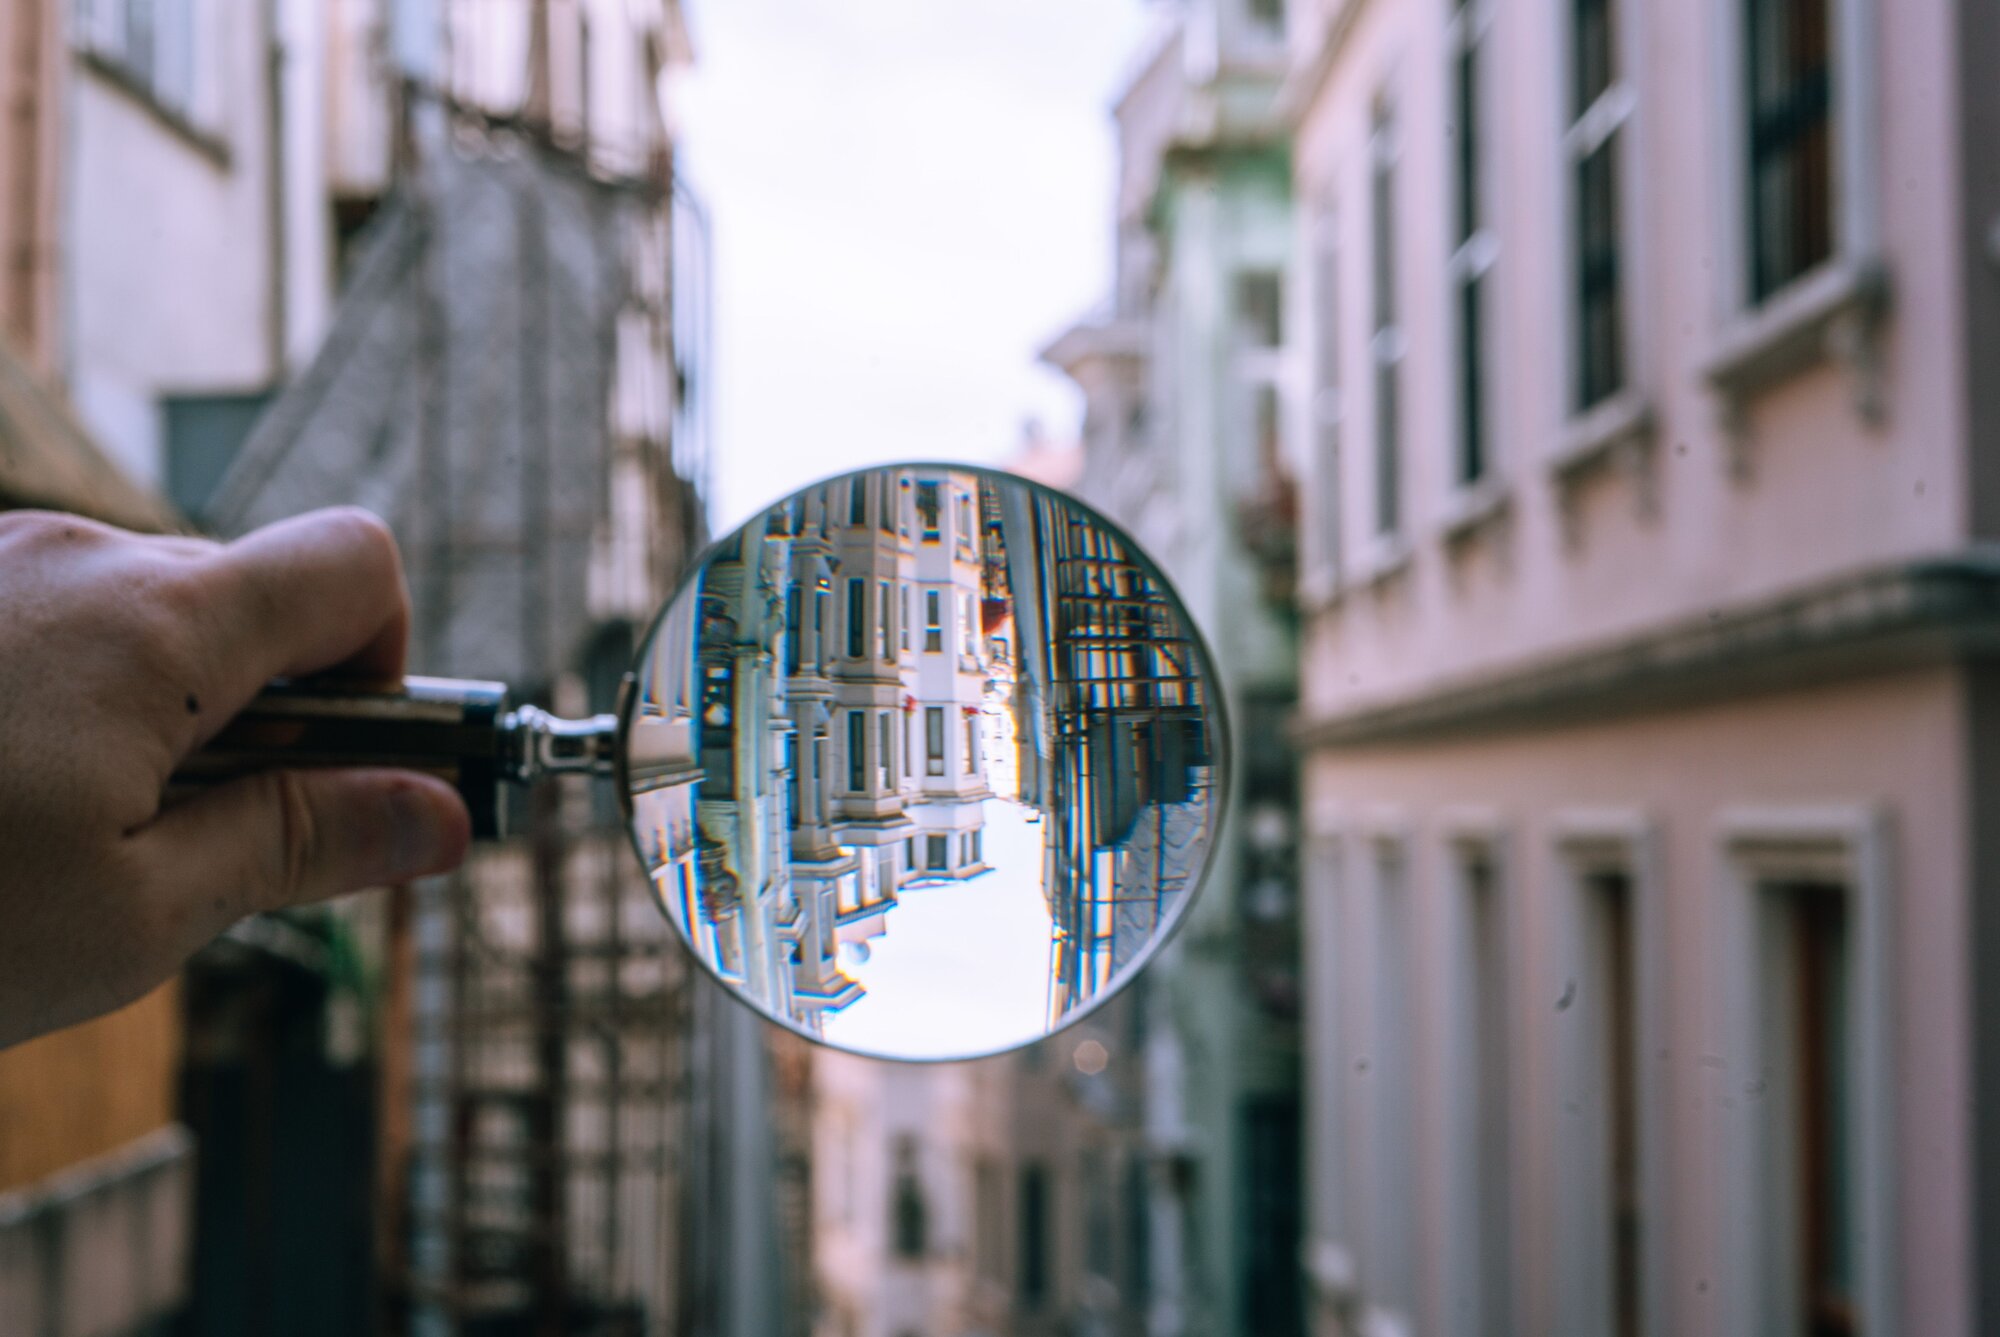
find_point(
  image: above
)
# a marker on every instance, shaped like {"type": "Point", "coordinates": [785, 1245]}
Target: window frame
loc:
{"type": "Point", "coordinates": [857, 751]}
{"type": "Point", "coordinates": [1474, 247]}
{"type": "Point", "coordinates": [1388, 339]}
{"type": "Point", "coordinates": [1586, 844]}
{"type": "Point", "coordinates": [1592, 432]}
{"type": "Point", "coordinates": [1836, 308]}
{"type": "Point", "coordinates": [1756, 849]}
{"type": "Point", "coordinates": [1388, 841]}
{"type": "Point", "coordinates": [934, 741]}
{"type": "Point", "coordinates": [1482, 1268]}
{"type": "Point", "coordinates": [857, 617]}
{"type": "Point", "coordinates": [1321, 556]}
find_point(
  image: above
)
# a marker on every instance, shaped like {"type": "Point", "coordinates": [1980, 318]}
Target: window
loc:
{"type": "Point", "coordinates": [928, 508]}
{"type": "Point", "coordinates": [1267, 14]}
{"type": "Point", "coordinates": [1810, 1033]}
{"type": "Point", "coordinates": [1323, 536]}
{"type": "Point", "coordinates": [794, 631]}
{"type": "Point", "coordinates": [1390, 1258]}
{"type": "Point", "coordinates": [857, 618]}
{"type": "Point", "coordinates": [1473, 243]}
{"type": "Point", "coordinates": [1138, 1216]}
{"type": "Point", "coordinates": [160, 48]}
{"type": "Point", "coordinates": [857, 750]}
{"type": "Point", "coordinates": [988, 1216]}
{"type": "Point", "coordinates": [909, 1211]}
{"type": "Point", "coordinates": [887, 519]}
{"type": "Point", "coordinates": [964, 519]}
{"type": "Point", "coordinates": [885, 759]}
{"type": "Point", "coordinates": [933, 622]}
{"type": "Point", "coordinates": [822, 774]}
{"type": "Point", "coordinates": [822, 615]}
{"type": "Point", "coordinates": [1481, 1117]}
{"type": "Point", "coordinates": [792, 778]}
{"type": "Point", "coordinates": [937, 854]}
{"type": "Point", "coordinates": [903, 618]}
{"type": "Point", "coordinates": [978, 854]}
{"type": "Point", "coordinates": [1257, 305]}
{"type": "Point", "coordinates": [1599, 108]}
{"type": "Point", "coordinates": [1260, 305]}
{"type": "Point", "coordinates": [1095, 1177]}
{"type": "Point", "coordinates": [887, 611]}
{"type": "Point", "coordinates": [857, 501]}
{"type": "Point", "coordinates": [203, 434]}
{"type": "Point", "coordinates": [971, 744]}
{"type": "Point", "coordinates": [1271, 1163]}
{"type": "Point", "coordinates": [1611, 966]}
{"type": "Point", "coordinates": [1386, 342]}
{"type": "Point", "coordinates": [1788, 66]}
{"type": "Point", "coordinates": [1034, 1260]}
{"type": "Point", "coordinates": [934, 740]}
{"type": "Point", "coordinates": [969, 623]}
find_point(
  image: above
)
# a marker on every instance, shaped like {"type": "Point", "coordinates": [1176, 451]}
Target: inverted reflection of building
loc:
{"type": "Point", "coordinates": [1119, 747]}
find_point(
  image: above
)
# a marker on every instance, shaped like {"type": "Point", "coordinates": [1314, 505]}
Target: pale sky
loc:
{"type": "Point", "coordinates": [910, 197]}
{"type": "Point", "coordinates": [961, 968]}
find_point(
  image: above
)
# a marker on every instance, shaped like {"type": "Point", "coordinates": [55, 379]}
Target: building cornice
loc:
{"type": "Point", "coordinates": [1881, 618]}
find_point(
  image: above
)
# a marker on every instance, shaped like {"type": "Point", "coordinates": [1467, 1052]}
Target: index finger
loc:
{"type": "Point", "coordinates": [316, 592]}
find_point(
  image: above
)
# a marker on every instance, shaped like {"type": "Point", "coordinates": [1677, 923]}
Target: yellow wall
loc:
{"type": "Point", "coordinates": [88, 1090]}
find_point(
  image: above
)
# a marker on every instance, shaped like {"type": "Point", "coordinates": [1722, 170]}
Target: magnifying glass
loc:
{"type": "Point", "coordinates": [923, 761]}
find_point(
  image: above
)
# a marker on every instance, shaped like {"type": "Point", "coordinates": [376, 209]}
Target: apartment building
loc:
{"type": "Point", "coordinates": [1646, 572]}
{"type": "Point", "coordinates": [1182, 373]}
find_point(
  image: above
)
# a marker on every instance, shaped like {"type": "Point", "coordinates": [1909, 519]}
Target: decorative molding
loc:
{"type": "Point", "coordinates": [1471, 511]}
{"type": "Point", "coordinates": [1914, 611]}
{"type": "Point", "coordinates": [1617, 433]}
{"type": "Point", "coordinates": [1834, 314]}
{"type": "Point", "coordinates": [1386, 557]}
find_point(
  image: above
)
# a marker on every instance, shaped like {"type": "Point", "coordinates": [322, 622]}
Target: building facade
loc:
{"type": "Point", "coordinates": [1182, 373]}
{"type": "Point", "coordinates": [1647, 719]}
{"type": "Point", "coordinates": [194, 220]}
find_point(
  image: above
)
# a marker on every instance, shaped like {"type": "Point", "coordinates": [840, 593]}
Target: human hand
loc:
{"type": "Point", "coordinates": [119, 656]}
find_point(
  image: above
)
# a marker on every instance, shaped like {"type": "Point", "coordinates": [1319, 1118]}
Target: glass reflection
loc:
{"type": "Point", "coordinates": [921, 761]}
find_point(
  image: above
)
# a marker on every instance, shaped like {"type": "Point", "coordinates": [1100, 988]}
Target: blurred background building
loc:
{"type": "Point", "coordinates": [1586, 488]}
{"type": "Point", "coordinates": [1646, 578]}
{"type": "Point", "coordinates": [1182, 374]}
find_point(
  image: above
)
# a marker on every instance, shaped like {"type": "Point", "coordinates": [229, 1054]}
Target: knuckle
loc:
{"type": "Point", "coordinates": [36, 529]}
{"type": "Point", "coordinates": [373, 542]}
{"type": "Point", "coordinates": [297, 845]}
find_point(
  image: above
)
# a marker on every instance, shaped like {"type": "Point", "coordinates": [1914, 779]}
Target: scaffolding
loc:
{"type": "Point", "coordinates": [1131, 755]}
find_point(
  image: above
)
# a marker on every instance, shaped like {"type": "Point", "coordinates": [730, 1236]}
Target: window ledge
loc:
{"type": "Point", "coordinates": [209, 145]}
{"type": "Point", "coordinates": [1320, 589]}
{"type": "Point", "coordinates": [1834, 312]}
{"type": "Point", "coordinates": [1472, 509]}
{"type": "Point", "coordinates": [1595, 435]}
{"type": "Point", "coordinates": [1387, 557]}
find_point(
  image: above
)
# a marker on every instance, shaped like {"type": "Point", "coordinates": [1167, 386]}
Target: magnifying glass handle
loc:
{"type": "Point", "coordinates": [461, 730]}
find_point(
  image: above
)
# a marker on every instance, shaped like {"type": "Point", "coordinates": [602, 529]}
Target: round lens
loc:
{"type": "Point", "coordinates": [925, 761]}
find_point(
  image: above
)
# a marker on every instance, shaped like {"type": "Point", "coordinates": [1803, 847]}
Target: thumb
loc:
{"type": "Point", "coordinates": [283, 838]}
